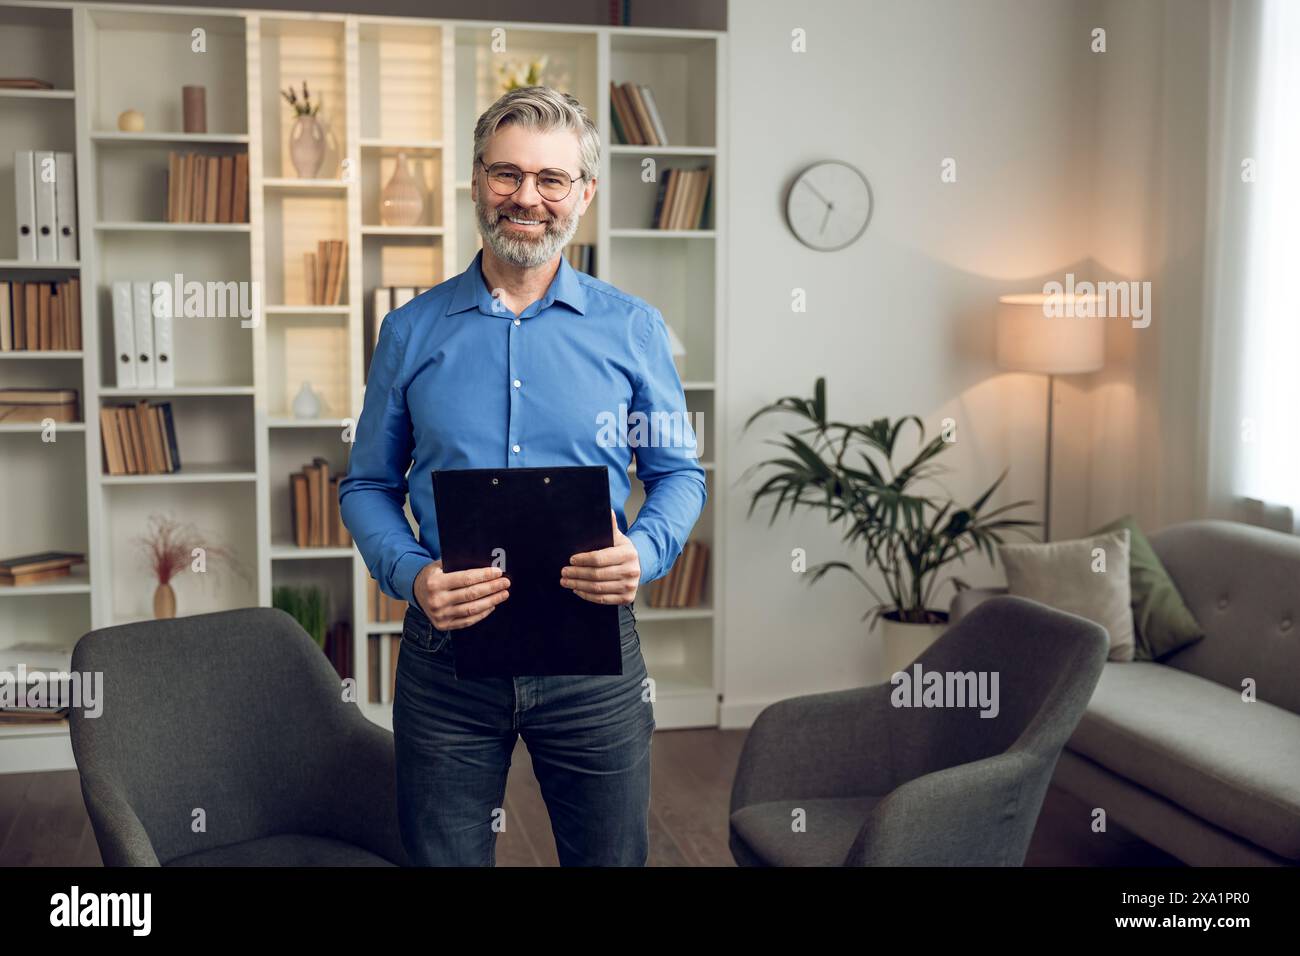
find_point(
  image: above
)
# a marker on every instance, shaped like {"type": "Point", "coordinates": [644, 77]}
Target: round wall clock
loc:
{"type": "Point", "coordinates": [829, 205]}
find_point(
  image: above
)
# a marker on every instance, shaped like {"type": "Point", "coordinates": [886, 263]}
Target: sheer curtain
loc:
{"type": "Point", "coordinates": [1251, 387]}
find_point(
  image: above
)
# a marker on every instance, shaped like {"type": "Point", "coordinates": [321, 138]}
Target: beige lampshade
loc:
{"type": "Point", "coordinates": [1045, 333]}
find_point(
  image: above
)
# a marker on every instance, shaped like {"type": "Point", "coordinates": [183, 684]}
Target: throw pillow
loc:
{"type": "Point", "coordinates": [1162, 621]}
{"type": "Point", "coordinates": [1088, 577]}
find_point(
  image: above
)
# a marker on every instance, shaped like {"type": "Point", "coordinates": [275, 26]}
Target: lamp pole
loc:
{"type": "Point", "coordinates": [1047, 477]}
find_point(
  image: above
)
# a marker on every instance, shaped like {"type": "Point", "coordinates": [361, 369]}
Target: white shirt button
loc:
{"type": "Point", "coordinates": [516, 449]}
{"type": "Point", "coordinates": [516, 383]}
{"type": "Point", "coordinates": [516, 321]}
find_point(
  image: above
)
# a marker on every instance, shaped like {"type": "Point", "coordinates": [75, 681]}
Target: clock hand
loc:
{"type": "Point", "coordinates": [815, 192]}
{"type": "Point", "coordinates": [825, 218]}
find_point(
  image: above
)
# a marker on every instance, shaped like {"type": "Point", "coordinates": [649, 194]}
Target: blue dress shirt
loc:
{"type": "Point", "coordinates": [459, 381]}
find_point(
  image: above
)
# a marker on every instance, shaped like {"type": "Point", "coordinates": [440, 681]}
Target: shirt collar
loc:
{"type": "Point", "coordinates": [472, 292]}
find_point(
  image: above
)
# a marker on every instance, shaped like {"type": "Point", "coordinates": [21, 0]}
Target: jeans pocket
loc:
{"type": "Point", "coordinates": [418, 632]}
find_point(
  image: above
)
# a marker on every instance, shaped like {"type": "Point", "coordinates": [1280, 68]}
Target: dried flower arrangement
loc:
{"type": "Point", "coordinates": [303, 106]}
{"type": "Point", "coordinates": [168, 548]}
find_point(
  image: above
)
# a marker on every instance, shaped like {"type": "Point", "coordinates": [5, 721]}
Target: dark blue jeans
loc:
{"type": "Point", "coordinates": [588, 737]}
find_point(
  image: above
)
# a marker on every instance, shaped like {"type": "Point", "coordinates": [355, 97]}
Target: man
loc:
{"type": "Point", "coordinates": [516, 363]}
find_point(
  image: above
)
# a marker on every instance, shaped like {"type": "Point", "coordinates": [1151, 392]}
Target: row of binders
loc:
{"type": "Point", "coordinates": [203, 188]}
{"type": "Point", "coordinates": [680, 201]}
{"type": "Point", "coordinates": [383, 608]}
{"type": "Point", "coordinates": [314, 498]}
{"type": "Point", "coordinates": [45, 205]}
{"type": "Point", "coordinates": [323, 271]}
{"type": "Point", "coordinates": [683, 585]}
{"type": "Point", "coordinates": [635, 116]}
{"type": "Point", "coordinates": [139, 439]}
{"type": "Point", "coordinates": [142, 341]}
{"type": "Point", "coordinates": [40, 316]}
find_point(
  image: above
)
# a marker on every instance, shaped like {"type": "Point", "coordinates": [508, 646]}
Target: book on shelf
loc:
{"type": "Point", "coordinates": [34, 405]}
{"type": "Point", "coordinates": [338, 648]}
{"type": "Point", "coordinates": [24, 83]}
{"type": "Point", "coordinates": [682, 197]}
{"type": "Point", "coordinates": [46, 694]}
{"type": "Point", "coordinates": [582, 256]}
{"type": "Point", "coordinates": [139, 439]}
{"type": "Point", "coordinates": [314, 507]}
{"type": "Point", "coordinates": [204, 188]}
{"type": "Point", "coordinates": [634, 115]}
{"type": "Point", "coordinates": [383, 608]}
{"type": "Point", "coordinates": [683, 585]}
{"type": "Point", "coordinates": [324, 270]}
{"type": "Point", "coordinates": [40, 316]}
{"type": "Point", "coordinates": [381, 664]}
{"type": "Point", "coordinates": [42, 566]}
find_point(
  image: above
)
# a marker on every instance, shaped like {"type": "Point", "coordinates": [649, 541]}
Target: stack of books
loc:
{"type": "Point", "coordinates": [314, 498]}
{"type": "Point", "coordinates": [681, 199]}
{"type": "Point", "coordinates": [35, 568]}
{"type": "Point", "coordinates": [381, 660]}
{"type": "Point", "coordinates": [634, 115]}
{"type": "Point", "coordinates": [380, 608]}
{"type": "Point", "coordinates": [40, 316]}
{"type": "Point", "coordinates": [582, 256]}
{"type": "Point", "coordinates": [323, 271]}
{"type": "Point", "coordinates": [683, 586]}
{"type": "Point", "coordinates": [202, 188]}
{"type": "Point", "coordinates": [139, 439]}
{"type": "Point", "coordinates": [46, 694]}
{"type": "Point", "coordinates": [34, 405]}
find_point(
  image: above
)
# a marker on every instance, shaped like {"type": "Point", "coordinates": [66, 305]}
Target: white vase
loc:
{"type": "Point", "coordinates": [306, 404]}
{"type": "Point", "coordinates": [901, 643]}
{"type": "Point", "coordinates": [307, 146]}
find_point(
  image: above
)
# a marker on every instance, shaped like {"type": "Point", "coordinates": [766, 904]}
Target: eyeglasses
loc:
{"type": "Point", "coordinates": [506, 178]}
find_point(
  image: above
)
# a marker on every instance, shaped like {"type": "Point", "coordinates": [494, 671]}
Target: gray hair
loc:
{"type": "Point", "coordinates": [543, 109]}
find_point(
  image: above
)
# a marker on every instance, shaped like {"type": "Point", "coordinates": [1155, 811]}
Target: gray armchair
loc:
{"type": "Point", "coordinates": [224, 741]}
{"type": "Point", "coordinates": [882, 785]}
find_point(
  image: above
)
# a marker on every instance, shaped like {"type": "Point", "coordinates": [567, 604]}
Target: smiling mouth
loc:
{"type": "Point", "coordinates": [519, 221]}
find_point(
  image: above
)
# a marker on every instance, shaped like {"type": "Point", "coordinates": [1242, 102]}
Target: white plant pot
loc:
{"type": "Point", "coordinates": [903, 643]}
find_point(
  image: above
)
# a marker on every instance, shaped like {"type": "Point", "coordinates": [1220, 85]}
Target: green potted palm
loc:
{"type": "Point", "coordinates": [905, 534]}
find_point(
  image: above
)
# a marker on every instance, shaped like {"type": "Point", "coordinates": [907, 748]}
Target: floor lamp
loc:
{"type": "Point", "coordinates": [1051, 335]}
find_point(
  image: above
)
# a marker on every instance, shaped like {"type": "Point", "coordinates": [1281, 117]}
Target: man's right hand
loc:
{"type": "Point", "coordinates": [456, 599]}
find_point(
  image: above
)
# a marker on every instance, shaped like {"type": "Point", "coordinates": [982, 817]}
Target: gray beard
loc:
{"type": "Point", "coordinates": [524, 251]}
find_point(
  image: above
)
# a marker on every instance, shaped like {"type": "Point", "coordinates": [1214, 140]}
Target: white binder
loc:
{"type": "Point", "coordinates": [142, 307]}
{"type": "Point", "coordinates": [164, 366]}
{"type": "Point", "coordinates": [25, 204]}
{"type": "Point", "coordinates": [43, 175]}
{"type": "Point", "coordinates": [65, 206]}
{"type": "Point", "coordinates": [123, 335]}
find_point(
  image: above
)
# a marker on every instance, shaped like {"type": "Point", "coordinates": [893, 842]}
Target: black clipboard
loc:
{"type": "Point", "coordinates": [538, 518]}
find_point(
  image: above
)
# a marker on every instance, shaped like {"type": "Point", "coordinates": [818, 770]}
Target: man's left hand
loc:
{"type": "Point", "coordinates": [608, 576]}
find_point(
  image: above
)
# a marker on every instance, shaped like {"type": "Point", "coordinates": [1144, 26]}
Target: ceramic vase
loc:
{"type": "Point", "coordinates": [306, 403]}
{"type": "Point", "coordinates": [164, 602]}
{"type": "Point", "coordinates": [307, 146]}
{"type": "Point", "coordinates": [402, 201]}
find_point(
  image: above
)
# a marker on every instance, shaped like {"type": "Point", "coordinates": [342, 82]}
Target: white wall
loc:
{"type": "Point", "coordinates": [1058, 154]}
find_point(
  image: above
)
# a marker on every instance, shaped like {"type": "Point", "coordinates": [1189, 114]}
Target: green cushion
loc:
{"type": "Point", "coordinates": [1162, 621]}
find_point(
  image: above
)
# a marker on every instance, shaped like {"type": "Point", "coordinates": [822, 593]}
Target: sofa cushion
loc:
{"type": "Point", "coordinates": [286, 849]}
{"type": "Point", "coordinates": [832, 824]}
{"type": "Point", "coordinates": [1199, 745]}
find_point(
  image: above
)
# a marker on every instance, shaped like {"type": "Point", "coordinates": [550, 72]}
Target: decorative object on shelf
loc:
{"type": "Point", "coordinates": [307, 606]}
{"type": "Point", "coordinates": [34, 568]}
{"type": "Point", "coordinates": [1028, 340]}
{"type": "Point", "coordinates": [307, 137]}
{"type": "Point", "coordinates": [513, 75]}
{"type": "Point", "coordinates": [170, 547]}
{"type": "Point", "coordinates": [306, 403]}
{"type": "Point", "coordinates": [829, 205]}
{"type": "Point", "coordinates": [194, 109]}
{"type": "Point", "coordinates": [908, 536]}
{"type": "Point", "coordinates": [402, 201]}
{"type": "Point", "coordinates": [130, 121]}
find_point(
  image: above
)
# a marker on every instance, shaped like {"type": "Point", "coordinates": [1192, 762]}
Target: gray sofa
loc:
{"type": "Point", "coordinates": [1170, 750]}
{"type": "Point", "coordinates": [236, 719]}
{"type": "Point", "coordinates": [885, 785]}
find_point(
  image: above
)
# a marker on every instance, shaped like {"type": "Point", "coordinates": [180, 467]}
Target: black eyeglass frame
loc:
{"type": "Point", "coordinates": [526, 172]}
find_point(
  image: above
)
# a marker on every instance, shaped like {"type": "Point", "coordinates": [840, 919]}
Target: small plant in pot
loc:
{"type": "Point", "coordinates": [906, 535]}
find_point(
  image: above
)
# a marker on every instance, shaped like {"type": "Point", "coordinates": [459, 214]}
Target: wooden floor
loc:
{"type": "Point", "coordinates": [43, 820]}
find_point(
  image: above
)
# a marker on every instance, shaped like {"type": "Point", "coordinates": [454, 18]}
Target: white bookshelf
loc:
{"type": "Point", "coordinates": [389, 85]}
